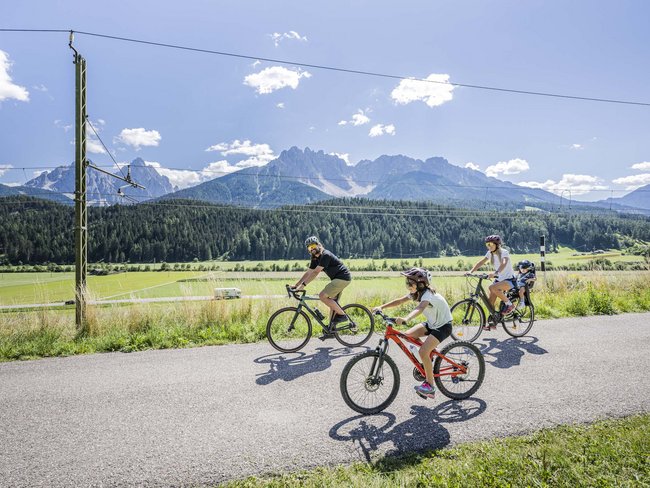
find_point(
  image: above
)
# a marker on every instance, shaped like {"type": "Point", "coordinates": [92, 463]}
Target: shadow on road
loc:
{"type": "Point", "coordinates": [508, 353]}
{"type": "Point", "coordinates": [289, 366]}
{"type": "Point", "coordinates": [424, 431]}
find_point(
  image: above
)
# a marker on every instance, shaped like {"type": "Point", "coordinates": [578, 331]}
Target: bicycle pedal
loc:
{"type": "Point", "coordinates": [421, 395]}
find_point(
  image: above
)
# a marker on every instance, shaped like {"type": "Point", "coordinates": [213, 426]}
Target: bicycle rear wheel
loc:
{"type": "Point", "coordinates": [520, 321]}
{"type": "Point", "coordinates": [448, 377]}
{"type": "Point", "coordinates": [468, 320]}
{"type": "Point", "coordinates": [367, 386]}
{"type": "Point", "coordinates": [359, 329]}
{"type": "Point", "coordinates": [288, 330]}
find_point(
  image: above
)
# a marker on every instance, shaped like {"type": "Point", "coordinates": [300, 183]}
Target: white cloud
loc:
{"type": "Point", "coordinates": [92, 142]}
{"type": "Point", "coordinates": [61, 125]}
{"type": "Point", "coordinates": [186, 178]}
{"type": "Point", "coordinates": [644, 166]}
{"type": "Point", "coordinates": [344, 156]}
{"type": "Point", "coordinates": [7, 87]}
{"type": "Point", "coordinates": [473, 166]}
{"type": "Point", "coordinates": [380, 130]}
{"type": "Point", "coordinates": [41, 87]}
{"type": "Point", "coordinates": [245, 152]}
{"type": "Point", "coordinates": [436, 91]}
{"type": "Point", "coordinates": [512, 167]}
{"type": "Point", "coordinates": [275, 78]}
{"type": "Point", "coordinates": [576, 146]}
{"type": "Point", "coordinates": [633, 182]}
{"type": "Point", "coordinates": [280, 105]}
{"type": "Point", "coordinates": [138, 137]}
{"type": "Point", "coordinates": [4, 168]}
{"type": "Point", "coordinates": [575, 184]}
{"type": "Point", "coordinates": [94, 146]}
{"type": "Point", "coordinates": [291, 35]}
{"type": "Point", "coordinates": [359, 118]}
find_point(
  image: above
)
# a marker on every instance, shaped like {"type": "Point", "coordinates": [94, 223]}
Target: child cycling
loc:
{"type": "Point", "coordinates": [437, 326]}
{"type": "Point", "coordinates": [338, 273]}
{"type": "Point", "coordinates": [503, 273]}
{"type": "Point", "coordinates": [526, 272]}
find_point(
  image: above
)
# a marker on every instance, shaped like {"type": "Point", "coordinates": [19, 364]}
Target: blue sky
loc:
{"type": "Point", "coordinates": [186, 110]}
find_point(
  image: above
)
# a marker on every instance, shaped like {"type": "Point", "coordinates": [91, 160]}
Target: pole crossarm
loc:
{"type": "Point", "coordinates": [126, 179]}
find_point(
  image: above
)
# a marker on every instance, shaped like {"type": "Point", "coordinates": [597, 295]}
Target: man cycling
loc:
{"type": "Point", "coordinates": [338, 273]}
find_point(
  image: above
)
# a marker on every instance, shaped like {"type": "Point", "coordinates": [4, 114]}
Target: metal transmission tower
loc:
{"type": "Point", "coordinates": [81, 216]}
{"type": "Point", "coordinates": [80, 203]}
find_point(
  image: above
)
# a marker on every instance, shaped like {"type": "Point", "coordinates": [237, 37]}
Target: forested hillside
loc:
{"type": "Point", "coordinates": [35, 231]}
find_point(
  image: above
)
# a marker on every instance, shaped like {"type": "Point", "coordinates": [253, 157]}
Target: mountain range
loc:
{"type": "Point", "coordinates": [299, 176]}
{"type": "Point", "coordinates": [101, 188]}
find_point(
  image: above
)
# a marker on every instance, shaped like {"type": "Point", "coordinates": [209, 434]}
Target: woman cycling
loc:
{"type": "Point", "coordinates": [437, 326]}
{"type": "Point", "coordinates": [503, 273]}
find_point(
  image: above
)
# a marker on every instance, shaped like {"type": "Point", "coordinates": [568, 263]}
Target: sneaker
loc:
{"type": "Point", "coordinates": [339, 319]}
{"type": "Point", "coordinates": [509, 309]}
{"type": "Point", "coordinates": [327, 335]}
{"type": "Point", "coordinates": [425, 390]}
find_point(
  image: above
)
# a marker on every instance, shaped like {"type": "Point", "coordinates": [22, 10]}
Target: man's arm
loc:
{"type": "Point", "coordinates": [309, 276]}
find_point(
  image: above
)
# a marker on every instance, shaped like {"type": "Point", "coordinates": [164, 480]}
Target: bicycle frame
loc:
{"type": "Point", "coordinates": [453, 369]}
{"type": "Point", "coordinates": [302, 297]}
{"type": "Point", "coordinates": [479, 293]}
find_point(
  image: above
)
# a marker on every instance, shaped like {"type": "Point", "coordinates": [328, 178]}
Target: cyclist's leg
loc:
{"type": "Point", "coordinates": [499, 290]}
{"type": "Point", "coordinates": [436, 336]}
{"type": "Point", "coordinates": [329, 294]}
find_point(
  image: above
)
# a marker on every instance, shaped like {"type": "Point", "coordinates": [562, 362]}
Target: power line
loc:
{"type": "Point", "coordinates": [333, 68]}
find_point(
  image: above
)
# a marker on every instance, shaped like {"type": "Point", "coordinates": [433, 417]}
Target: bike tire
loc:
{"type": "Point", "coordinates": [519, 322]}
{"type": "Point", "coordinates": [468, 353]}
{"type": "Point", "coordinates": [356, 382]}
{"type": "Point", "coordinates": [279, 335]}
{"type": "Point", "coordinates": [464, 326]}
{"type": "Point", "coordinates": [365, 322]}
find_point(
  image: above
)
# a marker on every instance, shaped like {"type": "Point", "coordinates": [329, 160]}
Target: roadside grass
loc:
{"type": "Point", "coordinates": [139, 326]}
{"type": "Point", "coordinates": [606, 453]}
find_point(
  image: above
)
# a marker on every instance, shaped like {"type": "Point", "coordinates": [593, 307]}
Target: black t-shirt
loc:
{"type": "Point", "coordinates": [332, 266]}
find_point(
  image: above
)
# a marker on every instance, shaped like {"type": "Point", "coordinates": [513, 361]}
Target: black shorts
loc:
{"type": "Point", "coordinates": [441, 333]}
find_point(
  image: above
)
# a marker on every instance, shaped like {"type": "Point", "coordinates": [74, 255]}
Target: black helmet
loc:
{"type": "Point", "coordinates": [311, 240]}
{"type": "Point", "coordinates": [418, 275]}
{"type": "Point", "coordinates": [494, 238]}
{"type": "Point", "coordinates": [525, 264]}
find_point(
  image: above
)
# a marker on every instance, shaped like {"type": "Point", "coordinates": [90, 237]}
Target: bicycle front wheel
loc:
{"type": "Point", "coordinates": [369, 382]}
{"type": "Point", "coordinates": [468, 320]}
{"type": "Point", "coordinates": [359, 329]}
{"type": "Point", "coordinates": [459, 370]}
{"type": "Point", "coordinates": [288, 329]}
{"type": "Point", "coordinates": [520, 321]}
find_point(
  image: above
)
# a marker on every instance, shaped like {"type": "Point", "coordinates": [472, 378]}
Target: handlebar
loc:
{"type": "Point", "coordinates": [294, 293]}
{"type": "Point", "coordinates": [387, 319]}
{"type": "Point", "coordinates": [482, 276]}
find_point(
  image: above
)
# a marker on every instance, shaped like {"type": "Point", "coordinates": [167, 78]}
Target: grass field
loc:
{"type": "Point", "coordinates": [131, 327]}
{"type": "Point", "coordinates": [608, 453]}
{"type": "Point", "coordinates": [26, 288]}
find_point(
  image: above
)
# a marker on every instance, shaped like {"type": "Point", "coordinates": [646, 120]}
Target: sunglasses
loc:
{"type": "Point", "coordinates": [311, 247]}
{"type": "Point", "coordinates": [410, 282]}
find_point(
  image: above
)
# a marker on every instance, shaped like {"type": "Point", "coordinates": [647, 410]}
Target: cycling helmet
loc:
{"type": "Point", "coordinates": [525, 264]}
{"type": "Point", "coordinates": [311, 240]}
{"type": "Point", "coordinates": [494, 238]}
{"type": "Point", "coordinates": [418, 275]}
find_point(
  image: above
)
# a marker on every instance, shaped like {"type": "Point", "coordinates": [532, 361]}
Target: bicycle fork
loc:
{"type": "Point", "coordinates": [374, 377]}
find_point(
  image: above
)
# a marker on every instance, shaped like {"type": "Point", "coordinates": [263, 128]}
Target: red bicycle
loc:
{"type": "Point", "coordinates": [370, 381]}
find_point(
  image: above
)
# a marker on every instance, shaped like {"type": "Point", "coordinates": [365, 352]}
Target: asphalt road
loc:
{"type": "Point", "coordinates": [202, 416]}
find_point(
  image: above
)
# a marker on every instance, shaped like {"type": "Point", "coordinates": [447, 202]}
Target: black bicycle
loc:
{"type": "Point", "coordinates": [469, 316]}
{"type": "Point", "coordinates": [289, 329]}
